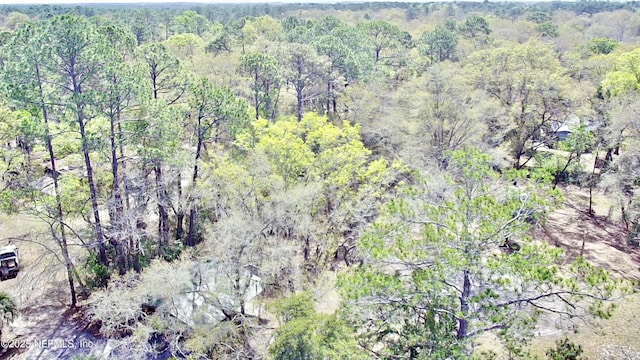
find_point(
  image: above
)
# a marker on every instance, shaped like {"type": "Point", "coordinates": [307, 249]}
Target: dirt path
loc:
{"type": "Point", "coordinates": [45, 328]}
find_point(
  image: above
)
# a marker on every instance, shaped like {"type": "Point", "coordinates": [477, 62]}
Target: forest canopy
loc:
{"type": "Point", "coordinates": [206, 171]}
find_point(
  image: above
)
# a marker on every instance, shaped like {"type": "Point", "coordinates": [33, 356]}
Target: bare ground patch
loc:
{"type": "Point", "coordinates": [45, 328]}
{"type": "Point", "coordinates": [603, 242]}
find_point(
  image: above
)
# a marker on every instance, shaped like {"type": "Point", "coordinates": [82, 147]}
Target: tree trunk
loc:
{"type": "Point", "coordinates": [592, 181]}
{"type": "Point", "coordinates": [163, 215]}
{"type": "Point", "coordinates": [92, 191]}
{"type": "Point", "coordinates": [328, 97]}
{"type": "Point", "coordinates": [180, 211]}
{"type": "Point", "coordinates": [80, 117]}
{"type": "Point", "coordinates": [256, 95]}
{"type": "Point", "coordinates": [179, 225]}
{"type": "Point", "coordinates": [117, 221]}
{"type": "Point", "coordinates": [557, 176]}
{"type": "Point", "coordinates": [463, 322]}
{"type": "Point", "coordinates": [125, 188]}
{"type": "Point", "coordinates": [60, 217]}
{"type": "Point", "coordinates": [191, 238]}
{"type": "Point", "coordinates": [299, 88]}
{"type": "Point", "coordinates": [609, 156]}
{"type": "Point", "coordinates": [623, 214]}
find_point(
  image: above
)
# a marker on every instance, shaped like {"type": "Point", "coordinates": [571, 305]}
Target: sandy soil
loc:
{"type": "Point", "coordinates": [603, 241]}
{"type": "Point", "coordinates": [45, 327]}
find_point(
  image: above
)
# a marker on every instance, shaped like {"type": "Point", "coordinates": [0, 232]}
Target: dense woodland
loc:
{"type": "Point", "coordinates": [201, 169]}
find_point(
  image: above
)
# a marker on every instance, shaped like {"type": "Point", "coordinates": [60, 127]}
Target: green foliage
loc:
{"type": "Point", "coordinates": [539, 17]}
{"type": "Point", "coordinates": [20, 125]}
{"type": "Point", "coordinates": [579, 141]}
{"type": "Point", "coordinates": [262, 27]}
{"type": "Point", "coordinates": [556, 166]}
{"type": "Point", "coordinates": [318, 151]}
{"type": "Point", "coordinates": [309, 335]}
{"type": "Point", "coordinates": [304, 68]}
{"type": "Point", "coordinates": [602, 46]}
{"type": "Point", "coordinates": [449, 281]}
{"type": "Point", "coordinates": [8, 309]}
{"type": "Point", "coordinates": [74, 194]}
{"type": "Point", "coordinates": [166, 78]}
{"type": "Point", "coordinates": [439, 44]}
{"type": "Point", "coordinates": [264, 74]}
{"type": "Point", "coordinates": [269, 192]}
{"type": "Point", "coordinates": [296, 306]}
{"type": "Point", "coordinates": [547, 29]}
{"type": "Point", "coordinates": [217, 112]}
{"type": "Point", "coordinates": [97, 275]}
{"type": "Point", "coordinates": [543, 88]}
{"type": "Point", "coordinates": [172, 251]}
{"type": "Point", "coordinates": [185, 46]}
{"type": "Point", "coordinates": [346, 48]}
{"type": "Point", "coordinates": [625, 74]}
{"type": "Point", "coordinates": [190, 22]}
{"type": "Point", "coordinates": [65, 145]}
{"type": "Point", "coordinates": [473, 26]}
{"type": "Point", "coordinates": [312, 159]}
{"type": "Point", "coordinates": [221, 43]}
{"type": "Point", "coordinates": [384, 37]}
{"type": "Point", "coordinates": [158, 132]}
{"type": "Point", "coordinates": [565, 350]}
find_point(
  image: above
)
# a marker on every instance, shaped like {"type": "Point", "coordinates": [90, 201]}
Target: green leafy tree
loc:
{"type": "Point", "coordinates": [216, 113]}
{"type": "Point", "coordinates": [166, 77]}
{"type": "Point", "coordinates": [602, 45]}
{"type": "Point", "coordinates": [439, 44]}
{"type": "Point", "coordinates": [27, 77]}
{"type": "Point", "coordinates": [185, 46]}
{"type": "Point", "coordinates": [435, 276]}
{"type": "Point", "coordinates": [306, 334]}
{"type": "Point", "coordinates": [168, 83]}
{"type": "Point", "coordinates": [383, 36]}
{"type": "Point", "coordinates": [143, 24]}
{"type": "Point", "coordinates": [79, 54]}
{"type": "Point", "coordinates": [473, 26]}
{"type": "Point", "coordinates": [264, 73]}
{"type": "Point", "coordinates": [345, 48]}
{"type": "Point", "coordinates": [539, 17]}
{"type": "Point", "coordinates": [304, 69]}
{"type": "Point", "coordinates": [547, 29]}
{"type": "Point", "coordinates": [190, 22]}
{"type": "Point", "coordinates": [121, 88]}
{"type": "Point", "coordinates": [221, 43]}
{"type": "Point", "coordinates": [158, 133]}
{"type": "Point", "coordinates": [625, 75]}
{"type": "Point", "coordinates": [318, 154]}
{"type": "Point", "coordinates": [533, 91]}
{"type": "Point", "coordinates": [263, 27]}
{"type": "Point", "coordinates": [577, 143]}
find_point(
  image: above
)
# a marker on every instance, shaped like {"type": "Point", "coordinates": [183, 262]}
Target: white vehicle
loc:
{"type": "Point", "coordinates": [9, 264]}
